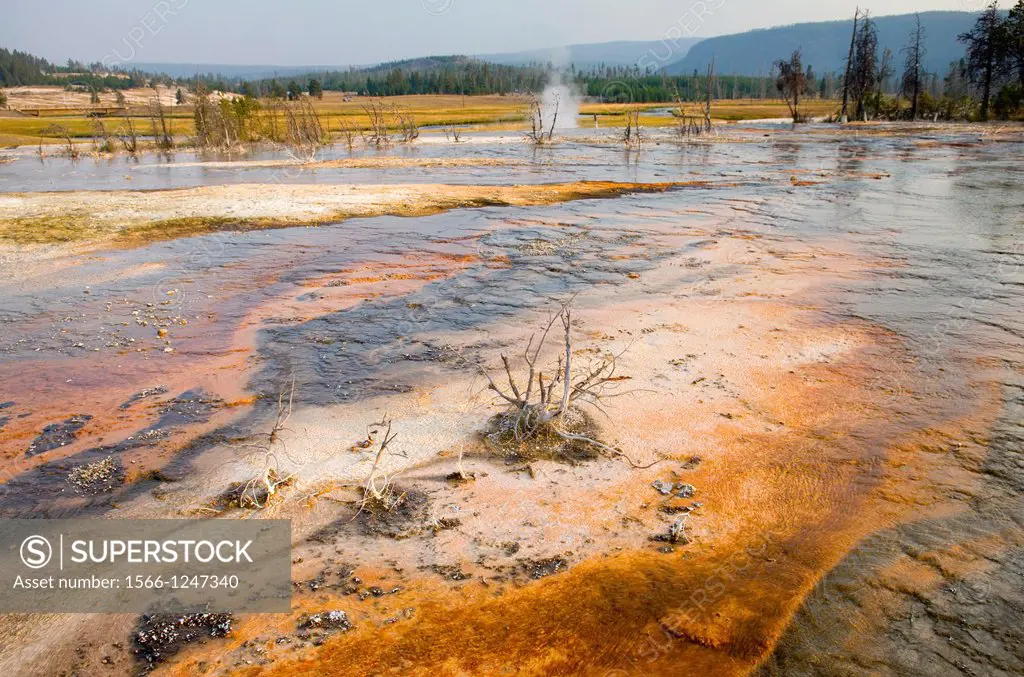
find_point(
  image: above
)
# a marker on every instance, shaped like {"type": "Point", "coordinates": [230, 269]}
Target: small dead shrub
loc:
{"type": "Point", "coordinates": [264, 452]}
{"type": "Point", "coordinates": [544, 416]}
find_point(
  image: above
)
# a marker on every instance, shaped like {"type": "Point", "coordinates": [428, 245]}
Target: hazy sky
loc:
{"type": "Point", "coordinates": [338, 32]}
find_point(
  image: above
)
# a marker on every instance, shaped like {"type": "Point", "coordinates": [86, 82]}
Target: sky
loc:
{"type": "Point", "coordinates": [347, 32]}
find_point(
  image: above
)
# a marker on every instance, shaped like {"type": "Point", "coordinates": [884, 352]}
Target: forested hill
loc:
{"type": "Point", "coordinates": [826, 44]}
{"type": "Point", "coordinates": [21, 68]}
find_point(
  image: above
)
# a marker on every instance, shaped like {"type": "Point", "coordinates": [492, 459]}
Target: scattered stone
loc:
{"type": "Point", "coordinates": [143, 394]}
{"type": "Point", "coordinates": [679, 489]}
{"type": "Point", "coordinates": [676, 533]}
{"type": "Point", "coordinates": [160, 636]}
{"type": "Point", "coordinates": [545, 567]}
{"type": "Point", "coordinates": [330, 620]}
{"type": "Point", "coordinates": [684, 490]}
{"type": "Point", "coordinates": [450, 571]}
{"type": "Point", "coordinates": [692, 462]}
{"type": "Point", "coordinates": [663, 488]}
{"type": "Point", "coordinates": [97, 477]}
{"type": "Point", "coordinates": [57, 435]}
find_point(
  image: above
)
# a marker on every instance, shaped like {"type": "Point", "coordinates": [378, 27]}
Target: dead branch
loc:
{"type": "Point", "coordinates": [162, 134]}
{"type": "Point", "coordinates": [379, 134]}
{"type": "Point", "coordinates": [406, 123]}
{"type": "Point", "coordinates": [631, 135]}
{"type": "Point", "coordinates": [539, 405]}
{"type": "Point", "coordinates": [379, 492]}
{"type": "Point", "coordinates": [266, 453]}
{"type": "Point", "coordinates": [538, 135]}
{"type": "Point", "coordinates": [452, 133]}
{"type": "Point", "coordinates": [70, 149]}
{"type": "Point", "coordinates": [304, 132]}
{"type": "Point", "coordinates": [129, 137]}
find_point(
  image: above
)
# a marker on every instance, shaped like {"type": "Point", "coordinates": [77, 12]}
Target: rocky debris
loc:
{"type": "Point", "coordinates": [677, 489]}
{"type": "Point", "coordinates": [57, 435]}
{"type": "Point", "coordinates": [330, 620]}
{"type": "Point", "coordinates": [692, 462]}
{"type": "Point", "coordinates": [97, 477]}
{"type": "Point", "coordinates": [545, 567]}
{"type": "Point", "coordinates": [4, 420]}
{"type": "Point", "coordinates": [330, 577]}
{"type": "Point", "coordinates": [7, 404]}
{"type": "Point", "coordinates": [444, 524]}
{"type": "Point", "coordinates": [684, 490]}
{"type": "Point", "coordinates": [673, 508]}
{"type": "Point", "coordinates": [404, 519]}
{"type": "Point", "coordinates": [149, 436]}
{"type": "Point", "coordinates": [452, 572]}
{"type": "Point", "coordinates": [142, 395]}
{"type": "Point", "coordinates": [160, 636]}
{"type": "Point", "coordinates": [676, 533]}
{"type": "Point", "coordinates": [663, 488]}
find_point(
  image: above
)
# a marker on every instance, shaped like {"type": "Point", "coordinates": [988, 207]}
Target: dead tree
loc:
{"type": "Point", "coordinates": [843, 116]}
{"type": "Point", "coordinates": [162, 134]}
{"type": "Point", "coordinates": [452, 133]}
{"type": "Point", "coordinates": [266, 452]}
{"type": "Point", "coordinates": [406, 123]}
{"type": "Point", "coordinates": [129, 137]}
{"type": "Point", "coordinates": [690, 125]}
{"type": "Point", "coordinates": [631, 135]}
{"type": "Point", "coordinates": [101, 139]}
{"type": "Point", "coordinates": [305, 135]}
{"type": "Point", "coordinates": [791, 83]}
{"type": "Point", "coordinates": [348, 132]}
{"type": "Point", "coordinates": [379, 134]}
{"type": "Point", "coordinates": [546, 404]}
{"type": "Point", "coordinates": [70, 149]}
{"type": "Point", "coordinates": [538, 134]}
{"type": "Point", "coordinates": [379, 492]}
{"type": "Point", "coordinates": [707, 100]}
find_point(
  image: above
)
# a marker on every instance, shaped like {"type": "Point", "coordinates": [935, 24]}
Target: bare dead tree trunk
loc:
{"type": "Point", "coordinates": [707, 101]}
{"type": "Point", "coordinates": [849, 65]}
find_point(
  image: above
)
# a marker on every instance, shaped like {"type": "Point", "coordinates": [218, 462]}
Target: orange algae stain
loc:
{"type": "Point", "coordinates": [785, 504]}
{"type": "Point", "coordinates": [210, 354]}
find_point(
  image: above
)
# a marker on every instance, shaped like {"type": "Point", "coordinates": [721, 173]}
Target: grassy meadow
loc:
{"type": "Point", "coordinates": [337, 112]}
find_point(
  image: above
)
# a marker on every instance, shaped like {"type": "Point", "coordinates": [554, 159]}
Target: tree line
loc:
{"type": "Point", "coordinates": [19, 69]}
{"type": "Point", "coordinates": [991, 75]}
{"type": "Point", "coordinates": [873, 85]}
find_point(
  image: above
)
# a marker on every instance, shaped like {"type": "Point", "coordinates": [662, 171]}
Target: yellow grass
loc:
{"type": "Point", "coordinates": [490, 112]}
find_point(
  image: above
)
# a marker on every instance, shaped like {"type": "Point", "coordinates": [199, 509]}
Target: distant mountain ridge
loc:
{"type": "Point", "coordinates": [583, 57]}
{"type": "Point", "coordinates": [825, 44]}
{"type": "Point", "coordinates": [594, 55]}
{"type": "Point", "coordinates": [230, 71]}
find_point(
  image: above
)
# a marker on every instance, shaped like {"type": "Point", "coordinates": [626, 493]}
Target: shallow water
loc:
{"type": "Point", "coordinates": [576, 158]}
{"type": "Point", "coordinates": [367, 307]}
